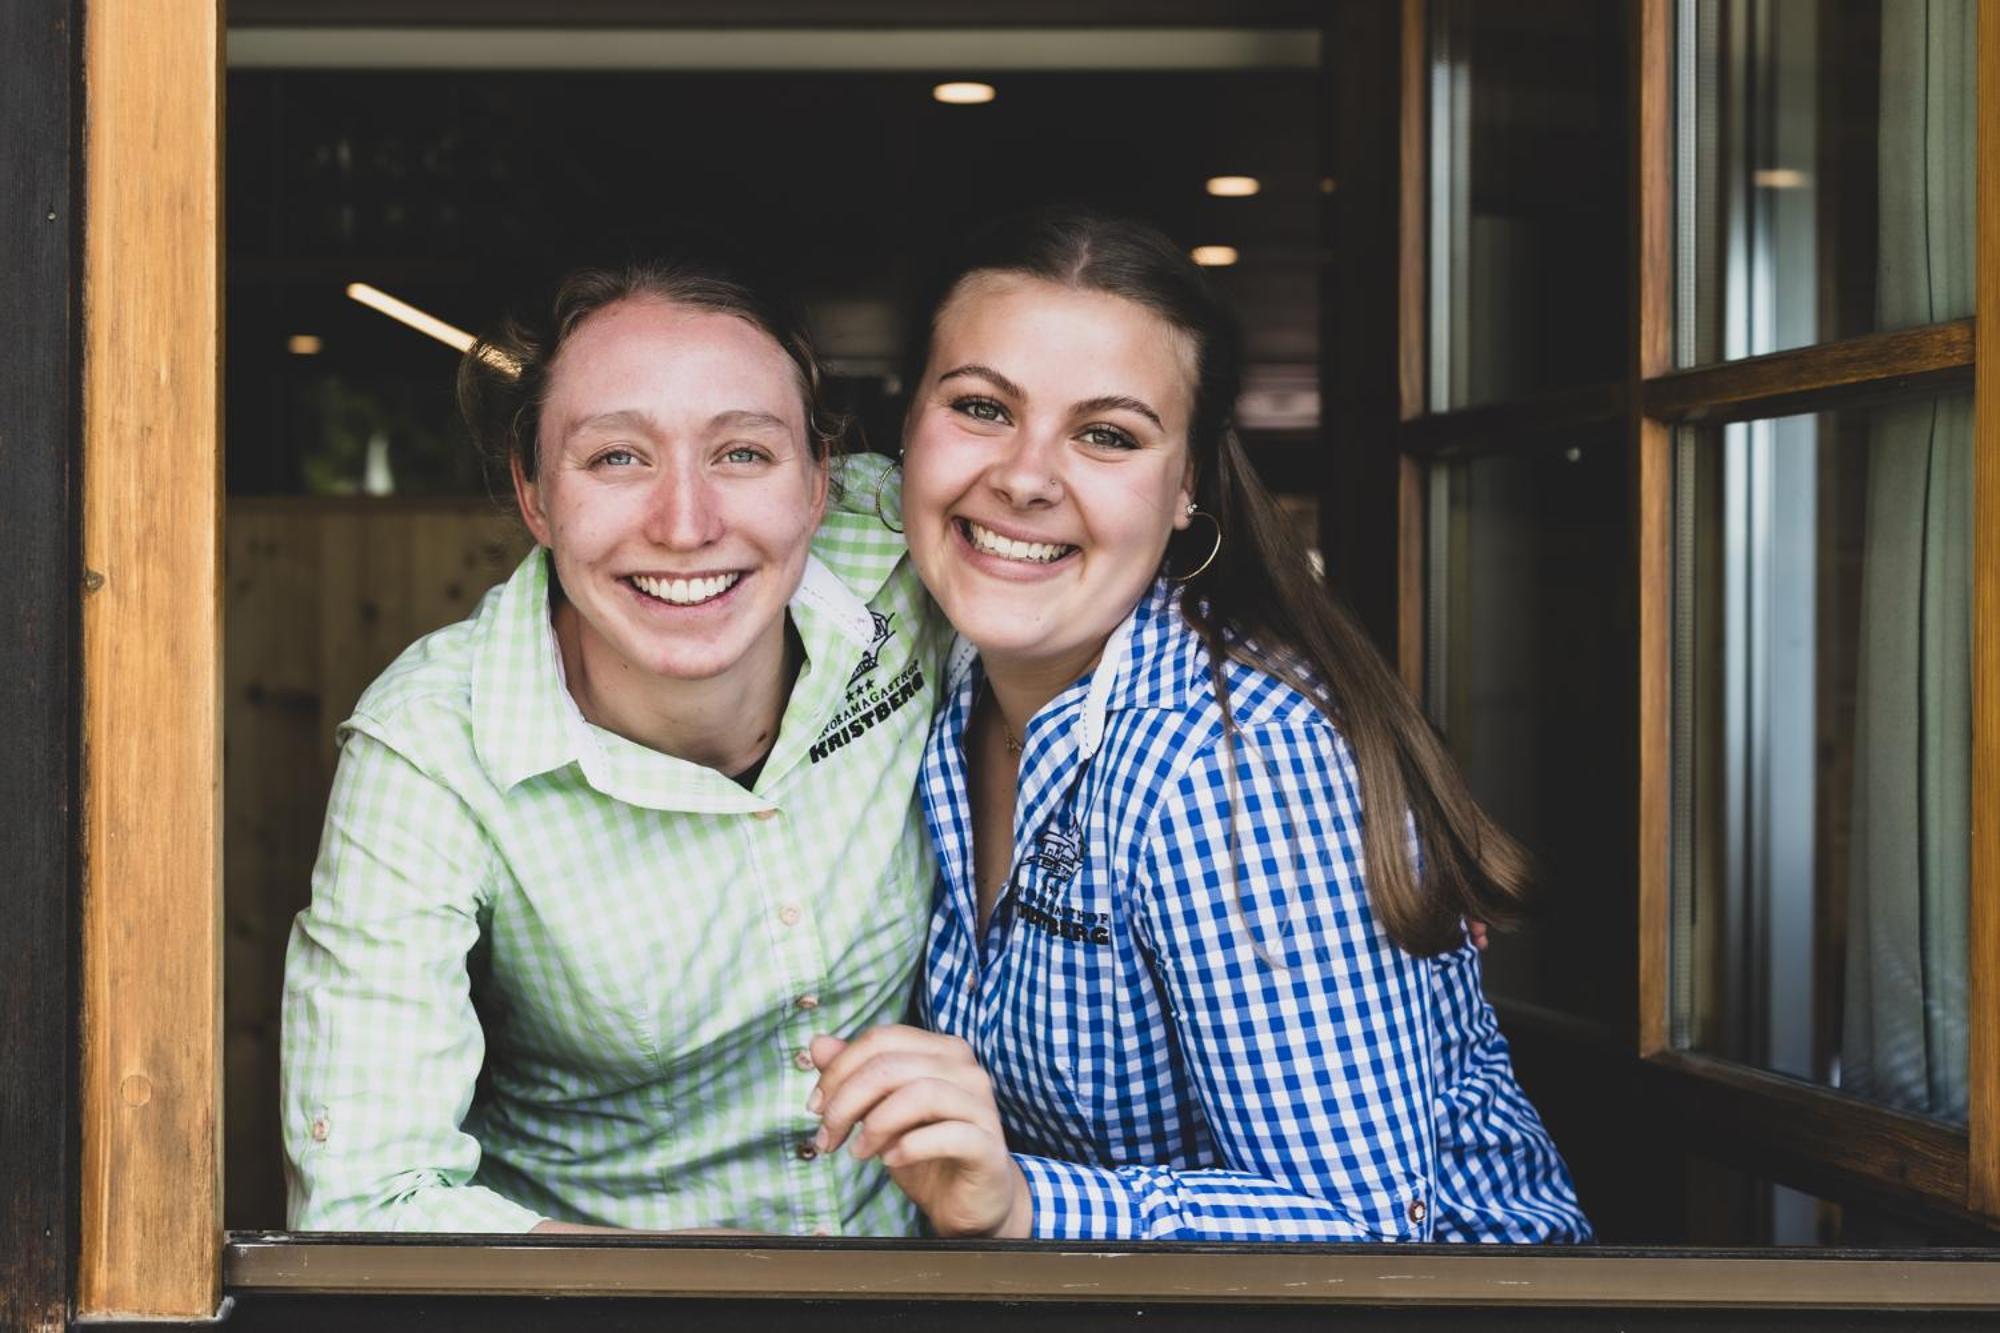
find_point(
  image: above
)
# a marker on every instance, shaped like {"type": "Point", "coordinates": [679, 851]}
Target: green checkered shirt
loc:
{"type": "Point", "coordinates": [548, 972]}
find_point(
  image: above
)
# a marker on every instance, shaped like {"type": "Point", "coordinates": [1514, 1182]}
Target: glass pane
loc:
{"type": "Point", "coordinates": [1728, 1206]}
{"type": "Point", "coordinates": [1826, 161]}
{"type": "Point", "coordinates": [1528, 197]}
{"type": "Point", "coordinates": [1822, 748]}
{"type": "Point", "coordinates": [1529, 669]}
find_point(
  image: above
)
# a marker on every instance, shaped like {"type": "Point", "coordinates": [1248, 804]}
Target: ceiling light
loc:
{"type": "Point", "coordinates": [1781, 178]}
{"type": "Point", "coordinates": [423, 322]}
{"type": "Point", "coordinates": [963, 94]}
{"type": "Point", "coordinates": [405, 313]}
{"type": "Point", "coordinates": [1234, 187]}
{"type": "Point", "coordinates": [1215, 256]}
{"type": "Point", "coordinates": [303, 344]}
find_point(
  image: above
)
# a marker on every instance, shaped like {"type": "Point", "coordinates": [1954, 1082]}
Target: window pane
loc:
{"type": "Point", "coordinates": [1822, 748]}
{"type": "Point", "coordinates": [1826, 171]}
{"type": "Point", "coordinates": [1528, 197]}
{"type": "Point", "coordinates": [1529, 678]}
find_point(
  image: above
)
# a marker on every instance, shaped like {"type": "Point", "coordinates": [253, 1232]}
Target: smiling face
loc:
{"type": "Point", "coordinates": [1046, 464]}
{"type": "Point", "coordinates": [677, 493]}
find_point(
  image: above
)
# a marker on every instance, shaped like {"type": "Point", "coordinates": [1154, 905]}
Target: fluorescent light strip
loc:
{"type": "Point", "coordinates": [404, 313]}
{"type": "Point", "coordinates": [426, 323]}
{"type": "Point", "coordinates": [929, 50]}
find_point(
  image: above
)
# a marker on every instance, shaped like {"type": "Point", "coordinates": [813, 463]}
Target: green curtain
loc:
{"type": "Point", "coordinates": [1904, 1020]}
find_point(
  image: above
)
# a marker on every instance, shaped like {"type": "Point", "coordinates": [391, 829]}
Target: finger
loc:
{"type": "Point", "coordinates": [939, 1141]}
{"type": "Point", "coordinates": [922, 1102]}
{"type": "Point", "coordinates": [893, 1039]}
{"type": "Point", "coordinates": [862, 1090]}
{"type": "Point", "coordinates": [823, 1048]}
{"type": "Point", "coordinates": [889, 1039]}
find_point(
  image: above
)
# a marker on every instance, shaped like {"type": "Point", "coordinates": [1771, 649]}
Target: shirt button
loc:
{"type": "Point", "coordinates": [319, 1130]}
{"type": "Point", "coordinates": [802, 1060]}
{"type": "Point", "coordinates": [789, 914]}
{"type": "Point", "coordinates": [807, 1002]}
{"type": "Point", "coordinates": [1417, 1210]}
{"type": "Point", "coordinates": [972, 984]}
{"type": "Point", "coordinates": [807, 1150]}
{"type": "Point", "coordinates": [763, 814]}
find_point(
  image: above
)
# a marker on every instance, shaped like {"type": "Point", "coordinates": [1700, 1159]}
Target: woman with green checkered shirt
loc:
{"type": "Point", "coordinates": [626, 837]}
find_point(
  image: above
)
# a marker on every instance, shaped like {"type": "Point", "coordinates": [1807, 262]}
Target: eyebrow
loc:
{"type": "Point", "coordinates": [1105, 403]}
{"type": "Point", "coordinates": [629, 418]}
{"type": "Point", "coordinates": [744, 418]}
{"type": "Point", "coordinates": [623, 419]}
{"type": "Point", "coordinates": [1119, 402]}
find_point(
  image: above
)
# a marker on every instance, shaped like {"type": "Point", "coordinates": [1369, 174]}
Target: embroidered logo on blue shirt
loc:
{"type": "Point", "coordinates": [1059, 852]}
{"type": "Point", "coordinates": [1043, 908]}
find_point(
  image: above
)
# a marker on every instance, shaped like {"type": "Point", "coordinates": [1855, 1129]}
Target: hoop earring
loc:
{"type": "Point", "coordinates": [880, 486]}
{"type": "Point", "coordinates": [1213, 551]}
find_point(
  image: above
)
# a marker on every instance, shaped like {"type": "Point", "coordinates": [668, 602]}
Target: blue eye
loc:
{"type": "Point", "coordinates": [1107, 437]}
{"type": "Point", "coordinates": [618, 457]}
{"type": "Point", "coordinates": [744, 453]}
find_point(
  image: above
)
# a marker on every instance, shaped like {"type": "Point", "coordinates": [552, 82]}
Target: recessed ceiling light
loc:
{"type": "Point", "coordinates": [303, 344]}
{"type": "Point", "coordinates": [1781, 178]}
{"type": "Point", "coordinates": [1234, 187]}
{"type": "Point", "coordinates": [963, 94]}
{"type": "Point", "coordinates": [1215, 256]}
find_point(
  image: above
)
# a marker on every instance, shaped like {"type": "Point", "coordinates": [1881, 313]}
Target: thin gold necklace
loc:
{"type": "Point", "coordinates": [1013, 746]}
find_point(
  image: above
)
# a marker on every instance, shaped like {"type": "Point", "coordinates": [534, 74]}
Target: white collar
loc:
{"type": "Point", "coordinates": [1096, 700]}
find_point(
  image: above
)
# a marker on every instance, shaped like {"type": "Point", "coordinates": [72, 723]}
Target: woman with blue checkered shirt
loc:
{"type": "Point", "coordinates": [1198, 968]}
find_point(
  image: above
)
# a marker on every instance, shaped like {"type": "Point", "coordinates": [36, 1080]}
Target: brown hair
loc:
{"type": "Point", "coordinates": [503, 378]}
{"type": "Point", "coordinates": [1258, 602]}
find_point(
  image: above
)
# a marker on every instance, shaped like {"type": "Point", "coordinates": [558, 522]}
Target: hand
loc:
{"type": "Point", "coordinates": [920, 1102]}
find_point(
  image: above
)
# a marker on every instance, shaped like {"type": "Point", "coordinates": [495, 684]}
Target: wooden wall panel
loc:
{"type": "Point", "coordinates": [40, 273]}
{"type": "Point", "coordinates": [151, 1069]}
{"type": "Point", "coordinates": [322, 595]}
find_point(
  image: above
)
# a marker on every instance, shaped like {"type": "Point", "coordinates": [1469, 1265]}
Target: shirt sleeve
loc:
{"type": "Point", "coordinates": [381, 1045]}
{"type": "Point", "coordinates": [1302, 1025]}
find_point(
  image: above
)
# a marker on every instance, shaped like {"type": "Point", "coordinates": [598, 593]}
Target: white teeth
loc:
{"type": "Point", "coordinates": [992, 543]}
{"type": "Point", "coordinates": [685, 592]}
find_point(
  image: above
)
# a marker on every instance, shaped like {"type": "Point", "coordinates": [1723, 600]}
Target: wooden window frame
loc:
{"type": "Point", "coordinates": [1784, 1128]}
{"type": "Point", "coordinates": [149, 1236]}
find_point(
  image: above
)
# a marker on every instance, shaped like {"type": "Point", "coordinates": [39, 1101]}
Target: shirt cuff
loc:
{"type": "Point", "coordinates": [465, 1208]}
{"type": "Point", "coordinates": [1077, 1202]}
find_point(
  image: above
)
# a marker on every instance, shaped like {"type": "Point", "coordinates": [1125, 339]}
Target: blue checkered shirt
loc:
{"type": "Point", "coordinates": [1179, 1053]}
